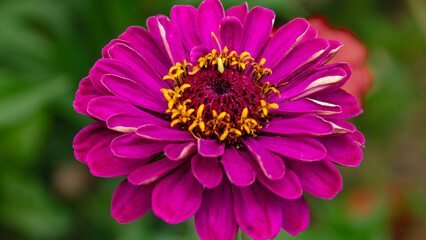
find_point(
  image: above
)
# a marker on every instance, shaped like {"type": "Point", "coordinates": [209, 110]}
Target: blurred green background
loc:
{"type": "Point", "coordinates": [47, 46]}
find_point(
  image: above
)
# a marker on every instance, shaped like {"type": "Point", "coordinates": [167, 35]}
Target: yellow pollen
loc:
{"type": "Point", "coordinates": [218, 125]}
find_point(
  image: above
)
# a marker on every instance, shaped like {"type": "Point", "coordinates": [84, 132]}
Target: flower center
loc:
{"type": "Point", "coordinates": [221, 98]}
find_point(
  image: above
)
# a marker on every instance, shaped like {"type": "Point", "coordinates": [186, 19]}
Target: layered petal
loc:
{"type": "Point", "coordinates": [270, 164]}
{"type": "Point", "coordinates": [207, 170]}
{"type": "Point", "coordinates": [320, 178]}
{"type": "Point", "coordinates": [288, 187]}
{"type": "Point", "coordinates": [299, 148]}
{"type": "Point", "coordinates": [257, 211]}
{"type": "Point", "coordinates": [182, 17]}
{"type": "Point", "coordinates": [178, 196]}
{"type": "Point", "coordinates": [86, 92]}
{"type": "Point", "coordinates": [256, 29]}
{"type": "Point", "coordinates": [129, 122]}
{"type": "Point", "coordinates": [179, 151]}
{"type": "Point", "coordinates": [342, 150]}
{"type": "Point", "coordinates": [217, 221]}
{"type": "Point", "coordinates": [239, 12]}
{"type": "Point", "coordinates": [158, 133]}
{"type": "Point", "coordinates": [308, 124]}
{"type": "Point", "coordinates": [295, 215]}
{"type": "Point", "coordinates": [105, 106]}
{"type": "Point", "coordinates": [231, 32]}
{"type": "Point", "coordinates": [130, 202]}
{"type": "Point", "coordinates": [152, 172]}
{"type": "Point", "coordinates": [210, 13]}
{"type": "Point", "coordinates": [210, 148]}
{"type": "Point", "coordinates": [284, 40]}
{"type": "Point", "coordinates": [237, 168]}
{"type": "Point", "coordinates": [132, 146]}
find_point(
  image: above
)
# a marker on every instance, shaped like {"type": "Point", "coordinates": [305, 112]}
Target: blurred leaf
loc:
{"type": "Point", "coordinates": [19, 106]}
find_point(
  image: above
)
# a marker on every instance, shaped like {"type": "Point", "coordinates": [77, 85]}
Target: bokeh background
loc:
{"type": "Point", "coordinates": [47, 46]}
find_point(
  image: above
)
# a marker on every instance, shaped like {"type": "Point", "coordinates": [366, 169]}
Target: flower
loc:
{"type": "Point", "coordinates": [355, 53]}
{"type": "Point", "coordinates": [207, 115]}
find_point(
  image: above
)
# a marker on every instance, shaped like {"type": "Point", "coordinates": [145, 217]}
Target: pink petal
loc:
{"type": "Point", "coordinates": [357, 137]}
{"type": "Point", "coordinates": [158, 133]}
{"type": "Point", "coordinates": [89, 137]}
{"type": "Point", "coordinates": [86, 92]}
{"type": "Point", "coordinates": [135, 93]}
{"type": "Point", "coordinates": [345, 100]}
{"type": "Point", "coordinates": [145, 45]}
{"type": "Point", "coordinates": [257, 27]}
{"type": "Point", "coordinates": [300, 57]}
{"type": "Point", "coordinates": [320, 179]}
{"type": "Point", "coordinates": [287, 187]}
{"type": "Point", "coordinates": [105, 53]}
{"type": "Point", "coordinates": [272, 165]}
{"type": "Point", "coordinates": [342, 150]}
{"type": "Point", "coordinates": [154, 29]}
{"type": "Point", "coordinates": [151, 172]}
{"type": "Point", "coordinates": [132, 146]}
{"type": "Point", "coordinates": [215, 219]}
{"type": "Point", "coordinates": [172, 42]}
{"type": "Point", "coordinates": [179, 151]}
{"type": "Point", "coordinates": [305, 106]}
{"type": "Point", "coordinates": [239, 12]}
{"type": "Point", "coordinates": [257, 211]}
{"type": "Point", "coordinates": [130, 202]}
{"type": "Point", "coordinates": [210, 148]}
{"type": "Point", "coordinates": [209, 15]}
{"type": "Point", "coordinates": [284, 40]}
{"type": "Point", "coordinates": [295, 215]}
{"type": "Point", "coordinates": [177, 196]}
{"type": "Point", "coordinates": [182, 17]}
{"type": "Point", "coordinates": [109, 66]}
{"type": "Point", "coordinates": [308, 124]}
{"type": "Point", "coordinates": [207, 170]}
{"type": "Point", "coordinates": [103, 163]}
{"type": "Point", "coordinates": [300, 148]}
{"type": "Point", "coordinates": [129, 122]}
{"type": "Point", "coordinates": [231, 32]}
{"type": "Point", "coordinates": [105, 106]}
{"type": "Point", "coordinates": [238, 169]}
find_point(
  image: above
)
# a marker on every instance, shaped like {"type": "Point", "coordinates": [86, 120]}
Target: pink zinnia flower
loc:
{"type": "Point", "coordinates": [207, 115]}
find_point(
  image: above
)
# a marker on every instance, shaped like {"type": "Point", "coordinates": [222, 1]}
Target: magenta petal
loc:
{"type": "Point", "coordinates": [257, 28]}
{"type": "Point", "coordinates": [257, 211]}
{"type": "Point", "coordinates": [341, 127]}
{"type": "Point", "coordinates": [305, 106]}
{"type": "Point", "coordinates": [151, 172]}
{"type": "Point", "coordinates": [345, 100]}
{"type": "Point", "coordinates": [300, 57]}
{"type": "Point", "coordinates": [358, 138]}
{"type": "Point", "coordinates": [215, 219]}
{"type": "Point", "coordinates": [86, 92]}
{"type": "Point", "coordinates": [231, 32]}
{"type": "Point", "coordinates": [239, 12]}
{"type": "Point", "coordinates": [300, 148]}
{"type": "Point", "coordinates": [129, 122]}
{"type": "Point", "coordinates": [287, 187]}
{"type": "Point", "coordinates": [130, 202]}
{"type": "Point", "coordinates": [314, 83]}
{"type": "Point", "coordinates": [209, 15]}
{"type": "Point", "coordinates": [132, 146]}
{"type": "Point", "coordinates": [342, 150]}
{"type": "Point", "coordinates": [145, 45]}
{"type": "Point", "coordinates": [177, 196]}
{"type": "Point", "coordinates": [145, 74]}
{"type": "Point", "coordinates": [284, 40]}
{"type": "Point", "coordinates": [308, 124]}
{"type": "Point", "coordinates": [105, 53]}
{"type": "Point", "coordinates": [88, 137]}
{"type": "Point", "coordinates": [154, 30]}
{"type": "Point", "coordinates": [171, 40]}
{"type": "Point", "coordinates": [182, 17]}
{"type": "Point", "coordinates": [295, 215]}
{"type": "Point", "coordinates": [108, 66]}
{"type": "Point", "coordinates": [103, 163]}
{"type": "Point", "coordinates": [320, 179]}
{"type": "Point", "coordinates": [135, 93]}
{"type": "Point", "coordinates": [272, 165]}
{"type": "Point", "coordinates": [180, 151]}
{"type": "Point", "coordinates": [207, 170]}
{"type": "Point", "coordinates": [238, 169]}
{"type": "Point", "coordinates": [105, 106]}
{"type": "Point", "coordinates": [158, 133]}
{"type": "Point", "coordinates": [331, 52]}
{"type": "Point", "coordinates": [210, 148]}
{"type": "Point", "coordinates": [310, 34]}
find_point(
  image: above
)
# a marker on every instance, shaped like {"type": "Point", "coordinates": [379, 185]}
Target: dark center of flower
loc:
{"type": "Point", "coordinates": [222, 98]}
